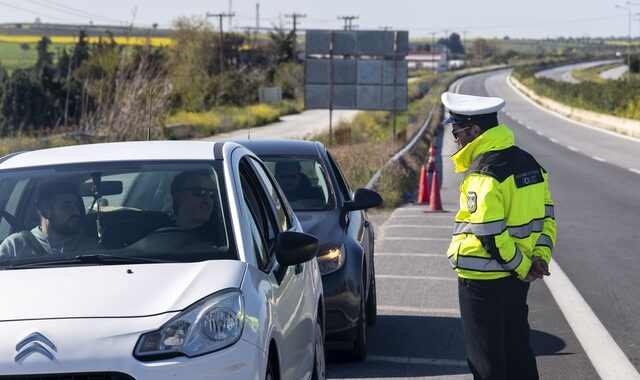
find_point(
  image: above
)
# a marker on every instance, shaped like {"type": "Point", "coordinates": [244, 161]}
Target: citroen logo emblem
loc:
{"type": "Point", "coordinates": [35, 343]}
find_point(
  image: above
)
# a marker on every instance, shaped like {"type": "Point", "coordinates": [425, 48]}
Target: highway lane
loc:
{"type": "Point", "coordinates": [563, 73]}
{"type": "Point", "coordinates": [594, 178]}
{"type": "Point", "coordinates": [419, 335]}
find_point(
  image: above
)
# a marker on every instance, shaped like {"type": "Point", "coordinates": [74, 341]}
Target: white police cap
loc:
{"type": "Point", "coordinates": [468, 107]}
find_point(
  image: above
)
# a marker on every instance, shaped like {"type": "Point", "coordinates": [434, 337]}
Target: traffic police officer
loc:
{"type": "Point", "coordinates": [503, 236]}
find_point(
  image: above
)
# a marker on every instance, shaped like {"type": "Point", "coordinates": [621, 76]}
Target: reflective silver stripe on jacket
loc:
{"type": "Point", "coordinates": [546, 241]}
{"type": "Point", "coordinates": [522, 232]}
{"type": "Point", "coordinates": [548, 211]}
{"type": "Point", "coordinates": [496, 228]}
{"type": "Point", "coordinates": [479, 229]}
{"type": "Point", "coordinates": [482, 264]}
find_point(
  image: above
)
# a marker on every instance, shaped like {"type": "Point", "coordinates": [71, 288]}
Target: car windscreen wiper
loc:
{"type": "Point", "coordinates": [96, 259]}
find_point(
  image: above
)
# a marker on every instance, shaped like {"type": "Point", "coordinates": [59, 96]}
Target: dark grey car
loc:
{"type": "Point", "coordinates": [328, 209]}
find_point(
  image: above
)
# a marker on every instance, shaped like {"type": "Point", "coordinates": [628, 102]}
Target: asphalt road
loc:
{"type": "Point", "coordinates": [564, 73]}
{"type": "Point", "coordinates": [594, 179]}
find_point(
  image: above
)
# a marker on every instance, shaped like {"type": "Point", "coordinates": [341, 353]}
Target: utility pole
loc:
{"type": "Point", "coordinates": [257, 17]}
{"type": "Point", "coordinates": [433, 51]}
{"type": "Point", "coordinates": [348, 25]}
{"type": "Point", "coordinates": [629, 37]}
{"type": "Point", "coordinates": [295, 17]}
{"type": "Point", "coordinates": [220, 16]}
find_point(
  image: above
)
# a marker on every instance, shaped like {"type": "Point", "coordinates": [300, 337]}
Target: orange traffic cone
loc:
{"type": "Point", "coordinates": [423, 187]}
{"type": "Point", "coordinates": [434, 202]}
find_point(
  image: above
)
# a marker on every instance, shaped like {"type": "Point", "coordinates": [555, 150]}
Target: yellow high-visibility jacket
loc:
{"type": "Point", "coordinates": [506, 212]}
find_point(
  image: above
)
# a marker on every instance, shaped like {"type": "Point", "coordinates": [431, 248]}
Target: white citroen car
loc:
{"type": "Point", "coordinates": [135, 294]}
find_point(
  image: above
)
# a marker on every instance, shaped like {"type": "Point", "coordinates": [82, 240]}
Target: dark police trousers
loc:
{"type": "Point", "coordinates": [494, 320]}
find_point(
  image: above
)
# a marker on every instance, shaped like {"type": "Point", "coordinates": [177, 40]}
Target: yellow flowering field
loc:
{"type": "Point", "coordinates": [155, 41]}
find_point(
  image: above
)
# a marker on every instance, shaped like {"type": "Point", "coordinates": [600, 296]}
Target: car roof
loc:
{"type": "Point", "coordinates": [284, 146]}
{"type": "Point", "coordinates": [119, 151]}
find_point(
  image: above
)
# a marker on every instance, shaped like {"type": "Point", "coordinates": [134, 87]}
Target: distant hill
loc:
{"type": "Point", "coordinates": [44, 29]}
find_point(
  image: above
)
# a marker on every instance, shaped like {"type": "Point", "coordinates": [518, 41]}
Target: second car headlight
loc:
{"type": "Point", "coordinates": [211, 324]}
{"type": "Point", "coordinates": [330, 260]}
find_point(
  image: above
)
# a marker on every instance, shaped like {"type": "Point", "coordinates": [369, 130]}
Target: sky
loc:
{"type": "Point", "coordinates": [422, 18]}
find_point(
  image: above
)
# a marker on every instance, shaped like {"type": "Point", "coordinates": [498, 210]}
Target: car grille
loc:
{"type": "Point", "coordinates": [72, 376]}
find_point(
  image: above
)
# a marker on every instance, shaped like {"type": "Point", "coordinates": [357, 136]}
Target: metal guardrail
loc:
{"type": "Point", "coordinates": [407, 148]}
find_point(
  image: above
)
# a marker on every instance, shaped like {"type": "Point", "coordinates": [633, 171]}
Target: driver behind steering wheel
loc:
{"type": "Point", "coordinates": [193, 195]}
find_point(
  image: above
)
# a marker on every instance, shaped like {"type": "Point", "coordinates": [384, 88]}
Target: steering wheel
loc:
{"type": "Point", "coordinates": [173, 239]}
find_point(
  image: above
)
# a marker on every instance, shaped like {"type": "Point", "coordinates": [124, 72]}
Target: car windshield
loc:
{"type": "Point", "coordinates": [303, 180]}
{"type": "Point", "coordinates": [115, 212]}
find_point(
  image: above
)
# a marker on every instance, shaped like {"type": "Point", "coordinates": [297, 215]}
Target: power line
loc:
{"type": "Point", "coordinates": [348, 25]}
{"type": "Point", "coordinates": [559, 22]}
{"type": "Point", "coordinates": [34, 12]}
{"type": "Point", "coordinates": [70, 11]}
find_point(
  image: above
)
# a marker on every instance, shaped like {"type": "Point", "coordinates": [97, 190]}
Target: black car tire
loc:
{"type": "Point", "coordinates": [372, 298]}
{"type": "Point", "coordinates": [359, 352]}
{"type": "Point", "coordinates": [319, 362]}
{"type": "Point", "coordinates": [269, 374]}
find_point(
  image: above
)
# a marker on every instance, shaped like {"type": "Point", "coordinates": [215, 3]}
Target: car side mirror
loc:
{"type": "Point", "coordinates": [293, 248]}
{"type": "Point", "coordinates": [363, 199]}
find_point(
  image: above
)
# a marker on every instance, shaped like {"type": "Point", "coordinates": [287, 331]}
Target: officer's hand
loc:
{"type": "Point", "coordinates": [539, 268]}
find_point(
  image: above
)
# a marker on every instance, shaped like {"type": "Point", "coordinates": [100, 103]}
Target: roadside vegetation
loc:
{"type": "Point", "coordinates": [593, 73]}
{"type": "Point", "coordinates": [107, 91]}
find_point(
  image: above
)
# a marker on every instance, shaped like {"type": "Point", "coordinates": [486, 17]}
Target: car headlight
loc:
{"type": "Point", "coordinates": [330, 260]}
{"type": "Point", "coordinates": [211, 324]}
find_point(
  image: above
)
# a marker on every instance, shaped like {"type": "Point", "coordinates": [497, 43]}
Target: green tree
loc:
{"type": "Point", "coordinates": [80, 50]}
{"type": "Point", "coordinates": [284, 44]}
{"type": "Point", "coordinates": [634, 65]}
{"type": "Point", "coordinates": [24, 104]}
{"type": "Point", "coordinates": [454, 44]}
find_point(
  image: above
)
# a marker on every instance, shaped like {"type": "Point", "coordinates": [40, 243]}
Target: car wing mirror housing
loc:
{"type": "Point", "coordinates": [295, 248]}
{"type": "Point", "coordinates": [363, 199]}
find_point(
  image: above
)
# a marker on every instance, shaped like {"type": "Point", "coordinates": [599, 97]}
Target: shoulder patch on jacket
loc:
{"type": "Point", "coordinates": [501, 164]}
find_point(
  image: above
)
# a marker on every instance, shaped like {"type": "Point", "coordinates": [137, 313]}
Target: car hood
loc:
{"type": "Point", "coordinates": [112, 291]}
{"type": "Point", "coordinates": [325, 225]}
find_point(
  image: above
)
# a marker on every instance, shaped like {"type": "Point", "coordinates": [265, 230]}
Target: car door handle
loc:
{"type": "Point", "coordinates": [299, 268]}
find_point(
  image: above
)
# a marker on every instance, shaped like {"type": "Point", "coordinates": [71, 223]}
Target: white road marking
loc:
{"type": "Point", "coordinates": [417, 238]}
{"type": "Point", "coordinates": [418, 361]}
{"type": "Point", "coordinates": [528, 127]}
{"type": "Point", "coordinates": [540, 133]}
{"type": "Point", "coordinates": [599, 159]}
{"type": "Point", "coordinates": [415, 226]}
{"type": "Point", "coordinates": [572, 148]}
{"type": "Point", "coordinates": [408, 254]}
{"type": "Point", "coordinates": [634, 170]}
{"type": "Point", "coordinates": [553, 140]}
{"type": "Point", "coordinates": [607, 358]}
{"type": "Point", "coordinates": [418, 310]}
{"type": "Point", "coordinates": [421, 278]}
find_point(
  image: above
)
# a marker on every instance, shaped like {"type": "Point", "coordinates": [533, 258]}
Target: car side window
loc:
{"type": "Point", "coordinates": [342, 183]}
{"type": "Point", "coordinates": [283, 218]}
{"type": "Point", "coordinates": [263, 222]}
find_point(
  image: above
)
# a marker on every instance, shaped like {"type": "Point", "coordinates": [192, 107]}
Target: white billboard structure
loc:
{"type": "Point", "coordinates": [363, 70]}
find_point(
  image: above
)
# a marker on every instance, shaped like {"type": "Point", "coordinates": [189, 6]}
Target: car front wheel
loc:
{"type": "Point", "coordinates": [319, 361]}
{"type": "Point", "coordinates": [359, 352]}
{"type": "Point", "coordinates": [372, 299]}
